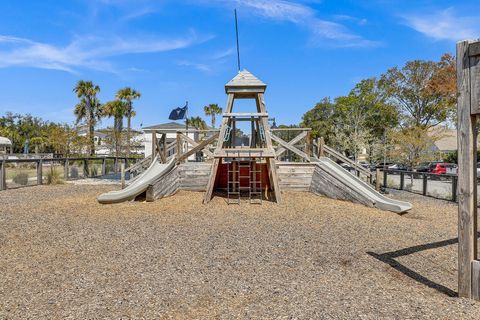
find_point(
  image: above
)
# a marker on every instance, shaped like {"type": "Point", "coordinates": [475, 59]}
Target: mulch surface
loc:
{"type": "Point", "coordinates": [64, 256]}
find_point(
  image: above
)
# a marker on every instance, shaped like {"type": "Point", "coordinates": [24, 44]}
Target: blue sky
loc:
{"type": "Point", "coordinates": [172, 51]}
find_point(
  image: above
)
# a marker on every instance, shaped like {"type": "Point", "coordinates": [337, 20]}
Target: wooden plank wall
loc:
{"type": "Point", "coordinates": [326, 185]}
{"type": "Point", "coordinates": [194, 176]}
{"type": "Point", "coordinates": [295, 177]}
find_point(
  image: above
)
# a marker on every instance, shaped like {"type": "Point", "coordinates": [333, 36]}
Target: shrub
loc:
{"type": "Point", "coordinates": [74, 172]}
{"type": "Point", "coordinates": [94, 171]}
{"type": "Point", "coordinates": [53, 177]}
{"type": "Point", "coordinates": [21, 178]}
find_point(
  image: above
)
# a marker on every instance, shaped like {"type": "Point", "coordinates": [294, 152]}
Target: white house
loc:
{"type": "Point", "coordinates": [170, 129]}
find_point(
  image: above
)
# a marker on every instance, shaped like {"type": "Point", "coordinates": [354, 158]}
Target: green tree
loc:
{"type": "Point", "coordinates": [212, 110]}
{"type": "Point", "coordinates": [197, 122]}
{"type": "Point", "coordinates": [88, 109]}
{"type": "Point", "coordinates": [413, 90]}
{"type": "Point", "coordinates": [127, 95]}
{"type": "Point", "coordinates": [116, 109]}
{"type": "Point", "coordinates": [321, 118]}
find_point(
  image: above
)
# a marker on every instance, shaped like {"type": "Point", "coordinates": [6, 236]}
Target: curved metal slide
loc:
{"type": "Point", "coordinates": [155, 171]}
{"type": "Point", "coordinates": [350, 181]}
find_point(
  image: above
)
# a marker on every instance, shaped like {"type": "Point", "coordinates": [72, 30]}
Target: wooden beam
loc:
{"type": "Point", "coordinates": [40, 172]}
{"type": "Point", "coordinates": [268, 137]}
{"type": "Point", "coordinates": [474, 84]}
{"type": "Point", "coordinates": [179, 146]}
{"type": "Point", "coordinates": [159, 148]}
{"type": "Point", "coordinates": [154, 144]}
{"type": "Point", "coordinates": [474, 49]}
{"type": "Point", "coordinates": [290, 147]}
{"type": "Point", "coordinates": [245, 114]}
{"type": "Point", "coordinates": [290, 129]}
{"type": "Point", "coordinates": [467, 186]}
{"type": "Point", "coordinates": [292, 142]}
{"type": "Point", "coordinates": [342, 158]}
{"type": "Point", "coordinates": [198, 148]}
{"type": "Point", "coordinates": [196, 144]}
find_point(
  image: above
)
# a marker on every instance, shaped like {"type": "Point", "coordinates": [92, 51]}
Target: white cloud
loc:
{"type": "Point", "coordinates": [85, 52]}
{"type": "Point", "coordinates": [302, 15]}
{"type": "Point", "coordinates": [199, 66]}
{"type": "Point", "coordinates": [444, 25]}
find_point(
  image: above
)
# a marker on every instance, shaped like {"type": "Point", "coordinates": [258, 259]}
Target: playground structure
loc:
{"type": "Point", "coordinates": [253, 172]}
{"type": "Point", "coordinates": [468, 107]}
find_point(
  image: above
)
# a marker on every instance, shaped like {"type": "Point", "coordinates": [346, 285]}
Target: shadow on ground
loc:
{"type": "Point", "coordinates": [389, 258]}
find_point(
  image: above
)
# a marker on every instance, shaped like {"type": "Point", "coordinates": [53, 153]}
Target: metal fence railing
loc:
{"type": "Point", "coordinates": [440, 186]}
{"type": "Point", "coordinates": [17, 173]}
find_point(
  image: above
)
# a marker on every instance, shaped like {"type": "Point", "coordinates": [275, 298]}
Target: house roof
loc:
{"type": "Point", "coordinates": [446, 138]}
{"type": "Point", "coordinates": [166, 126]}
{"type": "Point", "coordinates": [245, 79]}
{"type": "Point", "coordinates": [5, 141]}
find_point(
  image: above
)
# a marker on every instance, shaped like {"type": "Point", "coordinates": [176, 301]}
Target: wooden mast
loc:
{"type": "Point", "coordinates": [245, 86]}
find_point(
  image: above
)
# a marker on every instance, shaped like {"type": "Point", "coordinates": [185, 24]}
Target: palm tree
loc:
{"type": "Point", "coordinates": [88, 109]}
{"type": "Point", "coordinates": [116, 109]}
{"type": "Point", "coordinates": [127, 95]}
{"type": "Point", "coordinates": [212, 110]}
{"type": "Point", "coordinates": [197, 122]}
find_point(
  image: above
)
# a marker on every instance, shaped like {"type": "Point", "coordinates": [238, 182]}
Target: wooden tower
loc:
{"type": "Point", "coordinates": [259, 151]}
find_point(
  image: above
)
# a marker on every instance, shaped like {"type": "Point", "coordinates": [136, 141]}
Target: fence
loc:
{"type": "Point", "coordinates": [442, 186]}
{"type": "Point", "coordinates": [17, 173]}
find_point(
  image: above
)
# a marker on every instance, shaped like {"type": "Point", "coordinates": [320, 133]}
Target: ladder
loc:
{"type": "Point", "coordinates": [244, 182]}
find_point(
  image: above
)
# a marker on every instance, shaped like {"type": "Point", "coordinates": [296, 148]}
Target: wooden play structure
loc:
{"type": "Point", "coordinates": [468, 108]}
{"type": "Point", "coordinates": [257, 168]}
{"type": "Point", "coordinates": [243, 166]}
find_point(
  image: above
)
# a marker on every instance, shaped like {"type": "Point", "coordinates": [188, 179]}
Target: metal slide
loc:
{"type": "Point", "coordinates": [155, 171]}
{"type": "Point", "coordinates": [351, 181]}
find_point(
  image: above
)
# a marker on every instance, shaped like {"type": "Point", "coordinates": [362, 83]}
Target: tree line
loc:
{"type": "Point", "coordinates": [392, 115]}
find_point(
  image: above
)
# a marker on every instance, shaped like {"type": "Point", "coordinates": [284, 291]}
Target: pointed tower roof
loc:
{"type": "Point", "coordinates": [245, 79]}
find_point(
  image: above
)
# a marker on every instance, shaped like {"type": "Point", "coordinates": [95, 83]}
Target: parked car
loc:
{"type": "Point", "coordinates": [384, 166]}
{"type": "Point", "coordinates": [399, 166]}
{"type": "Point", "coordinates": [427, 166]}
{"type": "Point", "coordinates": [444, 168]}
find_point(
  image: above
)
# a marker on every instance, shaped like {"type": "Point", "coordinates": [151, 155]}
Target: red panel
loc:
{"type": "Point", "coordinates": [221, 180]}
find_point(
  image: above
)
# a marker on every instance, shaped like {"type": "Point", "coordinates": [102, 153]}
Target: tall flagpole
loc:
{"type": "Point", "coordinates": [186, 118]}
{"type": "Point", "coordinates": [238, 47]}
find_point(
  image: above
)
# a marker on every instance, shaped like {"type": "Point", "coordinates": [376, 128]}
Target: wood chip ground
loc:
{"type": "Point", "coordinates": [64, 256]}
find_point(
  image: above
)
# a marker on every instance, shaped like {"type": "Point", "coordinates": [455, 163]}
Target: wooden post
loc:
{"type": "Point", "coordinates": [179, 146]}
{"type": "Point", "coordinates": [385, 174]}
{"type": "Point", "coordinates": [39, 172]}
{"type": "Point", "coordinates": [321, 149]}
{"type": "Point", "coordinates": [3, 176]}
{"type": "Point", "coordinates": [164, 146]}
{"type": "Point", "coordinates": [122, 174]}
{"type": "Point", "coordinates": [425, 182]}
{"type": "Point", "coordinates": [65, 169]}
{"type": "Point", "coordinates": [377, 179]}
{"type": "Point", "coordinates": [104, 166]}
{"type": "Point", "coordinates": [154, 144]}
{"type": "Point", "coordinates": [308, 144]}
{"type": "Point", "coordinates": [467, 108]}
{"type": "Point", "coordinates": [402, 180]}
{"type": "Point", "coordinates": [85, 168]}
{"type": "Point", "coordinates": [454, 188]}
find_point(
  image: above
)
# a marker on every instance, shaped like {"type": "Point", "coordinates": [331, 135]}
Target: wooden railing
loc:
{"type": "Point", "coordinates": [201, 146]}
